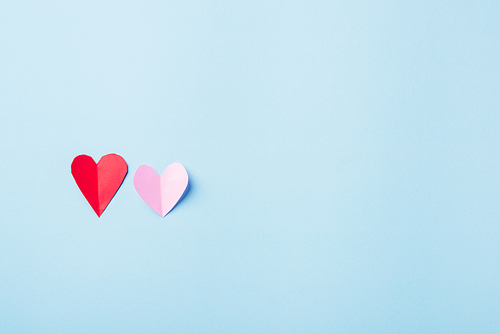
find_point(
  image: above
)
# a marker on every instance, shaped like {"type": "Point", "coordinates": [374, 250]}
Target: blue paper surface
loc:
{"type": "Point", "coordinates": [343, 160]}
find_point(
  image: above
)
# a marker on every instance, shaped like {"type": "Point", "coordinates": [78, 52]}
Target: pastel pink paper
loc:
{"type": "Point", "coordinates": [147, 184]}
{"type": "Point", "coordinates": [161, 193]}
{"type": "Point", "coordinates": [174, 181]}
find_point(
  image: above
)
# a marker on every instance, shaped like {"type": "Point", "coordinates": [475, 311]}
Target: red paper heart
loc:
{"type": "Point", "coordinates": [99, 182]}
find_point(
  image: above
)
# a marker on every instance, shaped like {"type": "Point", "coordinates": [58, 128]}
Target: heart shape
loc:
{"type": "Point", "coordinates": [163, 192]}
{"type": "Point", "coordinates": [99, 182]}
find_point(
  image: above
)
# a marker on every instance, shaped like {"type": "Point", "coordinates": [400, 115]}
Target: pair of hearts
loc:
{"type": "Point", "coordinates": [100, 182]}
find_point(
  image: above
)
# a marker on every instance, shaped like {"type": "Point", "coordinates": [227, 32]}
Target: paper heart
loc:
{"type": "Point", "coordinates": [163, 192]}
{"type": "Point", "coordinates": [99, 182]}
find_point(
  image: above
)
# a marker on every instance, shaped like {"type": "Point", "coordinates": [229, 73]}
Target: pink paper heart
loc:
{"type": "Point", "coordinates": [163, 192]}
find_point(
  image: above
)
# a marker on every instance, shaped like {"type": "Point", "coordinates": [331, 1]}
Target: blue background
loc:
{"type": "Point", "coordinates": [344, 162]}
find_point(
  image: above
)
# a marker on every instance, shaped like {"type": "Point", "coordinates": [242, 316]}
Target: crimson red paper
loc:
{"type": "Point", "coordinates": [99, 182]}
